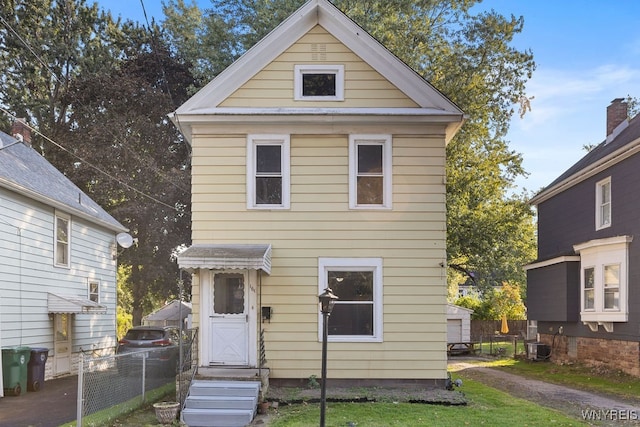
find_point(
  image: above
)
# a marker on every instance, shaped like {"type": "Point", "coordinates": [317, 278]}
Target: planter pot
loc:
{"type": "Point", "coordinates": [263, 407]}
{"type": "Point", "coordinates": [166, 412]}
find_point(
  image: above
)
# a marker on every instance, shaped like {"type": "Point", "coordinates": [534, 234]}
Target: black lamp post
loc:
{"type": "Point", "coordinates": [327, 300]}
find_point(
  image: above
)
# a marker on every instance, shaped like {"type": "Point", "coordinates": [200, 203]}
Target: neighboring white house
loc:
{"type": "Point", "coordinates": [57, 260]}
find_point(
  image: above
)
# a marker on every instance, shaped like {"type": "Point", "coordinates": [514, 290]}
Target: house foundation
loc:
{"type": "Point", "coordinates": [595, 352]}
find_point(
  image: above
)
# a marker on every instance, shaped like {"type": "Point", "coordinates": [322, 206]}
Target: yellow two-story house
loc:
{"type": "Point", "coordinates": [319, 161]}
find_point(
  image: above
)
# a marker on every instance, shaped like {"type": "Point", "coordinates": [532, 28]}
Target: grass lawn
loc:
{"type": "Point", "coordinates": [486, 406]}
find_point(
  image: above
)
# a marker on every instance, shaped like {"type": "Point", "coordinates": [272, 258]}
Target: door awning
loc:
{"type": "Point", "coordinates": [73, 304]}
{"type": "Point", "coordinates": [226, 256]}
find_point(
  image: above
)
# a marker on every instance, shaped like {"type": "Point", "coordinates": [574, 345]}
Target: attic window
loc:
{"type": "Point", "coordinates": [319, 83]}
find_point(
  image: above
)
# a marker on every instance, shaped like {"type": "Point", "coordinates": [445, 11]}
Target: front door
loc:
{"type": "Point", "coordinates": [229, 320]}
{"type": "Point", "coordinates": [62, 344]}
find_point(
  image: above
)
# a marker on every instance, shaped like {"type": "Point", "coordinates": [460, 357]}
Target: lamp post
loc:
{"type": "Point", "coordinates": [327, 300]}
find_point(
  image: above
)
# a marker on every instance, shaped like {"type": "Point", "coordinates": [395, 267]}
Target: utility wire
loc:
{"type": "Point", "coordinates": [118, 180]}
{"type": "Point", "coordinates": [55, 76]}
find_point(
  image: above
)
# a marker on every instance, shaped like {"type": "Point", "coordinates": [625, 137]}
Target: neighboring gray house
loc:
{"type": "Point", "coordinates": [582, 291]}
{"type": "Point", "coordinates": [170, 314]}
{"type": "Point", "coordinates": [58, 262]}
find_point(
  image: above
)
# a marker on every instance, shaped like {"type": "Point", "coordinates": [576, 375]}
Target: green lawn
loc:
{"type": "Point", "coordinates": [486, 406]}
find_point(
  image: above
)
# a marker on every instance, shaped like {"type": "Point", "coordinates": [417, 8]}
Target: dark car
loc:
{"type": "Point", "coordinates": [157, 345]}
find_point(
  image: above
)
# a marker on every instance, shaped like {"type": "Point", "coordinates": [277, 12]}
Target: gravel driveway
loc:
{"type": "Point", "coordinates": [596, 409]}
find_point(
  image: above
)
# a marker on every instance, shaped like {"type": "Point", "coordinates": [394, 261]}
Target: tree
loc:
{"type": "Point", "coordinates": [468, 57]}
{"type": "Point", "coordinates": [100, 91]}
{"type": "Point", "coordinates": [119, 121]}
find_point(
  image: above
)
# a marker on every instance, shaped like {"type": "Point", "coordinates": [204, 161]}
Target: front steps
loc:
{"type": "Point", "coordinates": [216, 403]}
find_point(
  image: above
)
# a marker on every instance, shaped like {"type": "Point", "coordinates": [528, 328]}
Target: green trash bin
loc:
{"type": "Point", "coordinates": [14, 370]}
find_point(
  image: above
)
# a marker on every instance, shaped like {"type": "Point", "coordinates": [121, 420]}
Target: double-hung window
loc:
{"type": "Point", "coordinates": [603, 203]}
{"type": "Point", "coordinates": [357, 314]}
{"type": "Point", "coordinates": [268, 172]}
{"type": "Point", "coordinates": [62, 250]}
{"type": "Point", "coordinates": [370, 171]}
{"type": "Point", "coordinates": [94, 291]}
{"type": "Point", "coordinates": [604, 280]}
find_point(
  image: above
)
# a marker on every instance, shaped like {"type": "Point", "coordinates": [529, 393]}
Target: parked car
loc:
{"type": "Point", "coordinates": [157, 345]}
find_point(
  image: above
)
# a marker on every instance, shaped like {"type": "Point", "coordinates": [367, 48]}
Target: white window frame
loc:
{"type": "Point", "coordinates": [253, 141]}
{"type": "Point", "coordinates": [599, 254]}
{"type": "Point", "coordinates": [67, 218]}
{"type": "Point", "coordinates": [354, 264]}
{"type": "Point", "coordinates": [91, 294]}
{"type": "Point", "coordinates": [387, 172]}
{"type": "Point", "coordinates": [302, 69]}
{"type": "Point", "coordinates": [601, 207]}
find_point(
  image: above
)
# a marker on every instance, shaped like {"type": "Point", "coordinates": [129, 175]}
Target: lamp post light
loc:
{"type": "Point", "coordinates": [327, 300]}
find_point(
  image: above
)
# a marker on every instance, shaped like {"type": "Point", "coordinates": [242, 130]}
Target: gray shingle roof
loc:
{"type": "Point", "coordinates": [26, 172]}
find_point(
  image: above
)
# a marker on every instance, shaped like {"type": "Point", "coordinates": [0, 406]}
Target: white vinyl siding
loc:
{"type": "Point", "coordinates": [27, 246]}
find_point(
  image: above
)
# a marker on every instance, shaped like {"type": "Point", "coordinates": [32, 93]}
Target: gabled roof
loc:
{"type": "Point", "coordinates": [26, 172]}
{"type": "Point", "coordinates": [606, 154]}
{"type": "Point", "coordinates": [203, 104]}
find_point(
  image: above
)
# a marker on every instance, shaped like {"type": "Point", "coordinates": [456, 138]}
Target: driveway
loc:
{"type": "Point", "coordinates": [595, 409]}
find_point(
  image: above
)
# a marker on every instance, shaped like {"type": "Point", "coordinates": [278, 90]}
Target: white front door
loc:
{"type": "Point", "coordinates": [62, 343]}
{"type": "Point", "coordinates": [229, 321]}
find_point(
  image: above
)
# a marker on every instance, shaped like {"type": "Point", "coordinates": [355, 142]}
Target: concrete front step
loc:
{"type": "Point", "coordinates": [224, 388]}
{"type": "Point", "coordinates": [221, 403]}
{"type": "Point", "coordinates": [217, 417]}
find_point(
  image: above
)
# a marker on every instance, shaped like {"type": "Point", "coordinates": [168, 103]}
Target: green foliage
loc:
{"type": "Point", "coordinates": [468, 57]}
{"type": "Point", "coordinates": [494, 303]}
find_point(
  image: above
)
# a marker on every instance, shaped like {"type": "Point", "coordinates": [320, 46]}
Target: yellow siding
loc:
{"type": "Point", "coordinates": [273, 85]}
{"type": "Point", "coordinates": [410, 239]}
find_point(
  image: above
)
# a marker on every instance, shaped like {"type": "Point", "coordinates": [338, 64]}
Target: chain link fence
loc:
{"type": "Point", "coordinates": [108, 381]}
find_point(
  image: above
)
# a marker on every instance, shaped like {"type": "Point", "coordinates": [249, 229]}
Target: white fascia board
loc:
{"type": "Point", "coordinates": [253, 60]}
{"type": "Point", "coordinates": [382, 60]}
{"type": "Point", "coordinates": [622, 153]}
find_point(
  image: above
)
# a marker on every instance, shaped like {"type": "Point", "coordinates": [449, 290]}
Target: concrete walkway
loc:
{"type": "Point", "coordinates": [53, 405]}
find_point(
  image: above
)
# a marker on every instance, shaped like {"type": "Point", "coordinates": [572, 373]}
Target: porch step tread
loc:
{"type": "Point", "coordinates": [221, 402]}
{"type": "Point", "coordinates": [224, 388]}
{"type": "Point", "coordinates": [217, 417]}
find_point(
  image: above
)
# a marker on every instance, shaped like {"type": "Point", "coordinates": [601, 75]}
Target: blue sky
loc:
{"type": "Point", "coordinates": [587, 54]}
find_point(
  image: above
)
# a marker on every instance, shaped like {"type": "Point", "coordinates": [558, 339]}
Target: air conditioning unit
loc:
{"type": "Point", "coordinates": [538, 351]}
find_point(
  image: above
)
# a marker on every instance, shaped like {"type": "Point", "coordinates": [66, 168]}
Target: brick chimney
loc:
{"type": "Point", "coordinates": [617, 113]}
{"type": "Point", "coordinates": [21, 131]}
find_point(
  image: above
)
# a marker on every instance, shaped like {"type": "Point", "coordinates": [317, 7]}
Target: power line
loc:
{"type": "Point", "coordinates": [118, 180]}
{"type": "Point", "coordinates": [55, 76]}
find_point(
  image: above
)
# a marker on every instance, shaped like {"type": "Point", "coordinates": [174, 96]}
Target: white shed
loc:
{"type": "Point", "coordinates": [458, 324]}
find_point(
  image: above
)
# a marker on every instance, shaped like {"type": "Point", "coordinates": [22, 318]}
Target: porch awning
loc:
{"type": "Point", "coordinates": [73, 304]}
{"type": "Point", "coordinates": [226, 256]}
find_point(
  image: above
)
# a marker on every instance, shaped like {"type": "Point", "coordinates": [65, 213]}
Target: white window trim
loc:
{"type": "Point", "coordinates": [66, 217]}
{"type": "Point", "coordinates": [387, 165]}
{"type": "Point", "coordinates": [597, 254]}
{"type": "Point", "coordinates": [599, 218]}
{"type": "Point", "coordinates": [268, 139]}
{"type": "Point", "coordinates": [354, 264]}
{"type": "Point", "coordinates": [89, 282]}
{"type": "Point", "coordinates": [300, 70]}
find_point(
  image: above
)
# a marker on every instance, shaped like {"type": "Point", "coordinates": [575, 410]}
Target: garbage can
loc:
{"type": "Point", "coordinates": [14, 370]}
{"type": "Point", "coordinates": [35, 368]}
